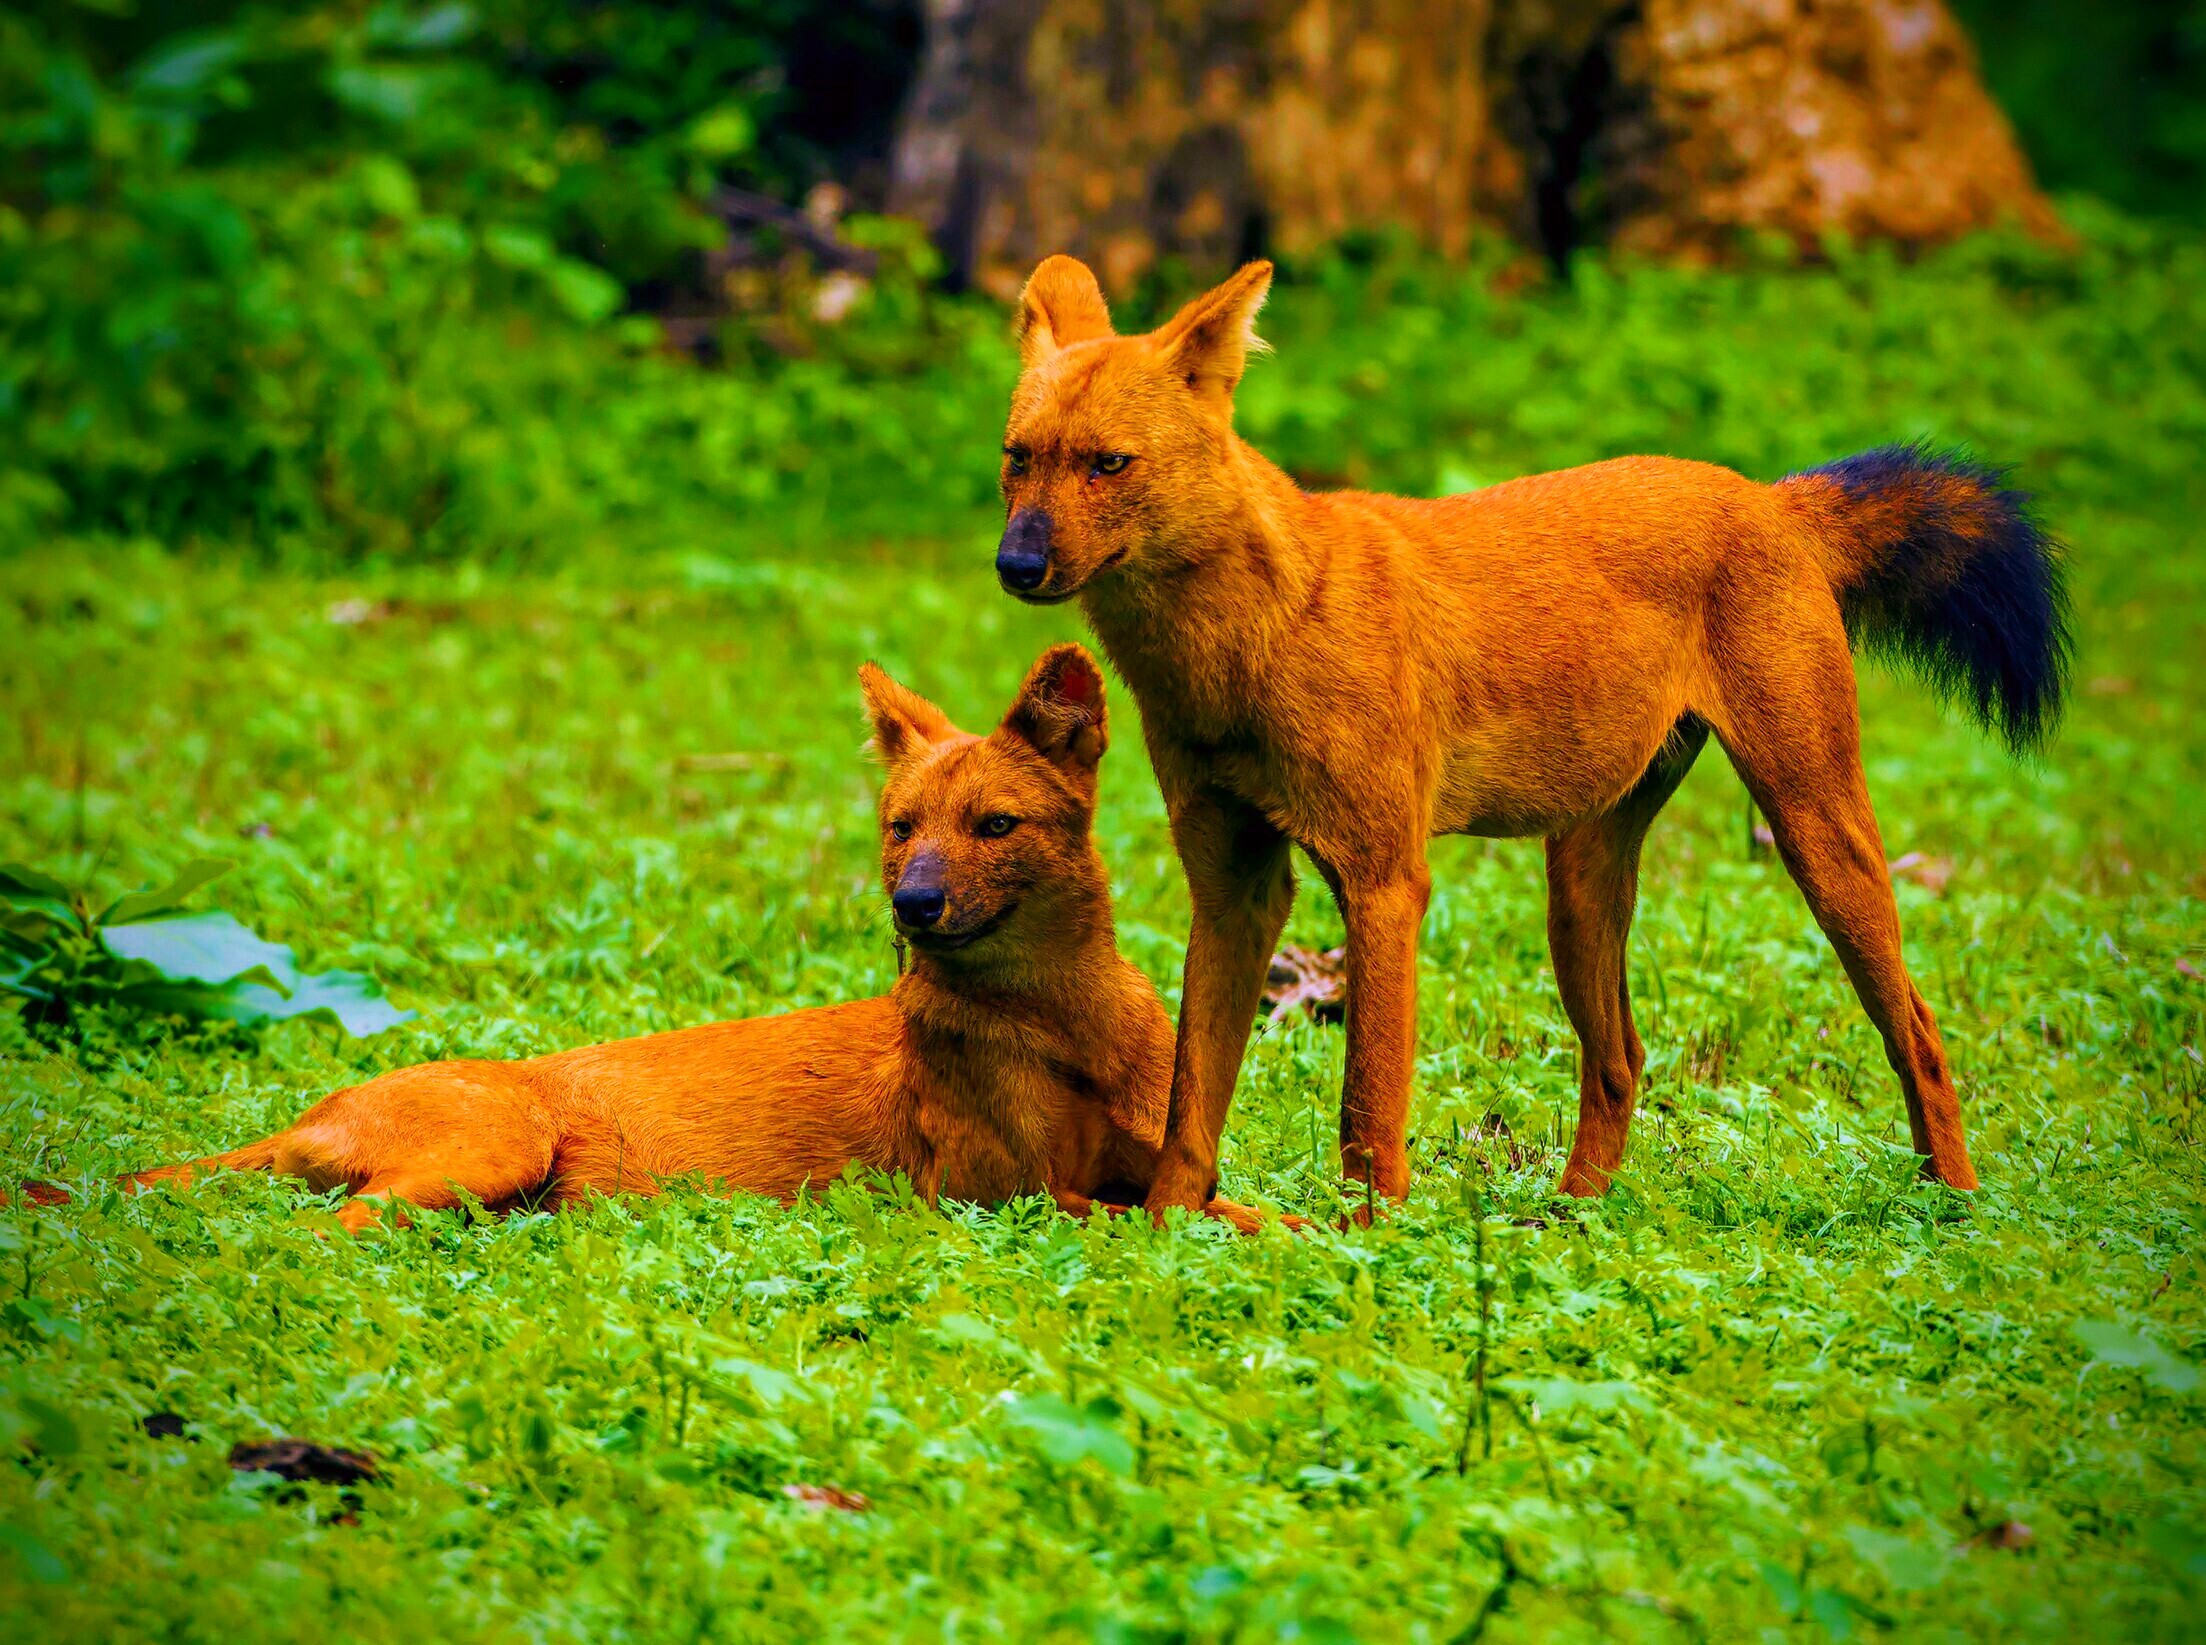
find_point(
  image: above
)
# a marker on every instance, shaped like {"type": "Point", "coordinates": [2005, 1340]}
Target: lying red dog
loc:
{"type": "Point", "coordinates": [1354, 673]}
{"type": "Point", "coordinates": [1018, 1053]}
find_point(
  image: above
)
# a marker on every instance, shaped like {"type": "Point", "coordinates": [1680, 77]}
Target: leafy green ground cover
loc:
{"type": "Point", "coordinates": [602, 781]}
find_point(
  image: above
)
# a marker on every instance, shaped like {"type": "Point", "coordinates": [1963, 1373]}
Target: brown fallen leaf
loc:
{"type": "Point", "coordinates": [303, 1459]}
{"type": "Point", "coordinates": [823, 1497]}
{"type": "Point", "coordinates": [2111, 685]}
{"type": "Point", "coordinates": [1304, 978]}
{"type": "Point", "coordinates": [355, 613]}
{"type": "Point", "coordinates": [1931, 873]}
{"type": "Point", "coordinates": [2008, 1533]}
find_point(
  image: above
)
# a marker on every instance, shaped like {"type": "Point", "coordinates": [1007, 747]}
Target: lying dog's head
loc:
{"type": "Point", "coordinates": [985, 841]}
{"type": "Point", "coordinates": [1116, 456]}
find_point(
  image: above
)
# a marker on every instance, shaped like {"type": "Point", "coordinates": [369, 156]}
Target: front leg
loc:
{"type": "Point", "coordinates": [1384, 912]}
{"type": "Point", "coordinates": [1080, 1206]}
{"type": "Point", "coordinates": [1242, 885]}
{"type": "Point", "coordinates": [1242, 1219]}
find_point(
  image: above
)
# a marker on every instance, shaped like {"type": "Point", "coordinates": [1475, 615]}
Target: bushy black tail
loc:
{"type": "Point", "coordinates": [1942, 566]}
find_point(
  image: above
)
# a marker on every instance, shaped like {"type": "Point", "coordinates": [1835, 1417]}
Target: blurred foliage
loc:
{"type": "Point", "coordinates": [270, 270]}
{"type": "Point", "coordinates": [2108, 99]}
{"type": "Point", "coordinates": [345, 281]}
{"type": "Point", "coordinates": [354, 289]}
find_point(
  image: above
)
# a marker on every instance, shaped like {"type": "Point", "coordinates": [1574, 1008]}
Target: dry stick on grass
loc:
{"type": "Point", "coordinates": [1481, 1409]}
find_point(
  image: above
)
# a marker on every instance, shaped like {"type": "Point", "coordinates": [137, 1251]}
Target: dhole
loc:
{"type": "Point", "coordinates": [1019, 1052]}
{"type": "Point", "coordinates": [1355, 673]}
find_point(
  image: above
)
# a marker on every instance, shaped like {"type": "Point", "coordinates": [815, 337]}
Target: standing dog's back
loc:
{"type": "Point", "coordinates": [1354, 673]}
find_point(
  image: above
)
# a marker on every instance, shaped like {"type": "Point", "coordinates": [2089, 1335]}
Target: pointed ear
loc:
{"type": "Point", "coordinates": [1060, 710]}
{"type": "Point", "coordinates": [904, 722]}
{"type": "Point", "coordinates": [1060, 306]}
{"type": "Point", "coordinates": [1209, 342]}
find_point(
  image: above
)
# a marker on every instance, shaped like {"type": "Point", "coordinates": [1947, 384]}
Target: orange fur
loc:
{"type": "Point", "coordinates": [1355, 673]}
{"type": "Point", "coordinates": [1018, 1053]}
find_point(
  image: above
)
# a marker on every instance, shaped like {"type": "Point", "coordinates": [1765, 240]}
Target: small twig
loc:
{"type": "Point", "coordinates": [741, 209]}
{"type": "Point", "coordinates": [1496, 1598]}
{"type": "Point", "coordinates": [1482, 1409]}
{"type": "Point", "coordinates": [1539, 1448]}
{"type": "Point", "coordinates": [77, 836]}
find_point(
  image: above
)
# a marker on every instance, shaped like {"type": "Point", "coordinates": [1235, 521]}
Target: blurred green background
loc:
{"type": "Point", "coordinates": [343, 280]}
{"type": "Point", "coordinates": [387, 504]}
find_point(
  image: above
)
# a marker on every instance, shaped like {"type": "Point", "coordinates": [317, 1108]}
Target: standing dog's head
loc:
{"type": "Point", "coordinates": [1119, 450]}
{"type": "Point", "coordinates": [986, 848]}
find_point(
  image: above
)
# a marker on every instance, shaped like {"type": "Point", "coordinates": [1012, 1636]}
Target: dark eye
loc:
{"type": "Point", "coordinates": [997, 826]}
{"type": "Point", "coordinates": [1114, 463]}
{"type": "Point", "coordinates": [901, 828]}
{"type": "Point", "coordinates": [1015, 458]}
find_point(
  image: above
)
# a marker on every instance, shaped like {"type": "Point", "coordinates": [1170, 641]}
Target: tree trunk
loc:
{"type": "Point", "coordinates": [1126, 132]}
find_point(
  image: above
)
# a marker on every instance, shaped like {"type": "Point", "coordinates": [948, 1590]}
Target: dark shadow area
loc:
{"type": "Point", "coordinates": [1577, 123]}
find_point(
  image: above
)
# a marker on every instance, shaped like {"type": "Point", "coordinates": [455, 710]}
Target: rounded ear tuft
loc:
{"type": "Point", "coordinates": [1061, 305]}
{"type": "Point", "coordinates": [1060, 710]}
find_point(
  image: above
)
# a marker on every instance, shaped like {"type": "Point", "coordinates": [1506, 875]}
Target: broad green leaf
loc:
{"type": "Point", "coordinates": [388, 186]}
{"type": "Point", "coordinates": [513, 247]}
{"type": "Point", "coordinates": [1833, 1612]}
{"type": "Point", "coordinates": [54, 1429]}
{"type": "Point", "coordinates": [723, 132]}
{"type": "Point", "coordinates": [344, 998]}
{"type": "Point", "coordinates": [347, 998]}
{"type": "Point", "coordinates": [583, 290]}
{"type": "Point", "coordinates": [386, 91]}
{"type": "Point", "coordinates": [770, 1385]}
{"type": "Point", "coordinates": [209, 965]}
{"type": "Point", "coordinates": [21, 879]}
{"type": "Point", "coordinates": [975, 1332]}
{"type": "Point", "coordinates": [212, 947]}
{"type": "Point", "coordinates": [185, 62]}
{"type": "Point", "coordinates": [15, 979]}
{"type": "Point", "coordinates": [40, 1562]}
{"type": "Point", "coordinates": [33, 923]}
{"type": "Point", "coordinates": [1555, 1394]}
{"type": "Point", "coordinates": [1067, 1433]}
{"type": "Point", "coordinates": [2113, 1344]}
{"type": "Point", "coordinates": [1902, 1561]}
{"type": "Point", "coordinates": [432, 30]}
{"type": "Point", "coordinates": [144, 905]}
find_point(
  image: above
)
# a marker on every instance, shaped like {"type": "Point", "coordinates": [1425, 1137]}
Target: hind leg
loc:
{"type": "Point", "coordinates": [430, 1137]}
{"type": "Point", "coordinates": [1592, 887]}
{"type": "Point", "coordinates": [1796, 741]}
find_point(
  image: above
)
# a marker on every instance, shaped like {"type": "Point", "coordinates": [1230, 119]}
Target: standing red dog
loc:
{"type": "Point", "coordinates": [1355, 673]}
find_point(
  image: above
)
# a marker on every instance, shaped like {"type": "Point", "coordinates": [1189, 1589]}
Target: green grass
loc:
{"type": "Point", "coordinates": [1772, 1387]}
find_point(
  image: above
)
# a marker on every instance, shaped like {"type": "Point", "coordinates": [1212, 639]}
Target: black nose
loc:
{"type": "Point", "coordinates": [1022, 559]}
{"type": "Point", "coordinates": [919, 897]}
{"type": "Point", "coordinates": [919, 904]}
